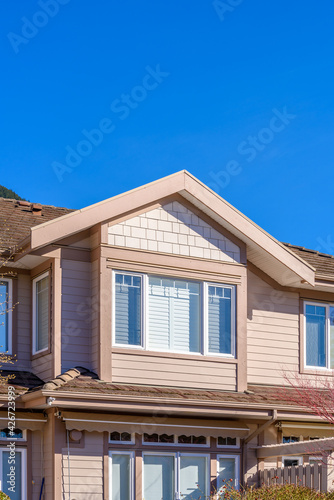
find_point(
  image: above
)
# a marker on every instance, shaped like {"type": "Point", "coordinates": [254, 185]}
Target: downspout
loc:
{"type": "Point", "coordinates": [258, 431]}
{"type": "Point", "coordinates": [68, 465]}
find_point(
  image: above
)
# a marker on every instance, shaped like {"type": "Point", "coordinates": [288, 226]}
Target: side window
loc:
{"type": "Point", "coordinates": [41, 313]}
{"type": "Point", "coordinates": [6, 315]}
{"type": "Point", "coordinates": [128, 310]}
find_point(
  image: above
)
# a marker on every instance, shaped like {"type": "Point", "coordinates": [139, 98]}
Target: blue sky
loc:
{"type": "Point", "coordinates": [238, 92]}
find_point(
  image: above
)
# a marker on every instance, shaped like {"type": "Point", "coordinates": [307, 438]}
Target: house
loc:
{"type": "Point", "coordinates": [151, 331]}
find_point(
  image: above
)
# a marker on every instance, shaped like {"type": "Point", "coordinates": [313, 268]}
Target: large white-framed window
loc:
{"type": "Point", "coordinates": [177, 476]}
{"type": "Point", "coordinates": [319, 335]}
{"type": "Point", "coordinates": [41, 313]}
{"type": "Point", "coordinates": [6, 313]}
{"type": "Point", "coordinates": [121, 475]}
{"type": "Point", "coordinates": [228, 472]}
{"type": "Point", "coordinates": [13, 472]}
{"type": "Point", "coordinates": [167, 314]}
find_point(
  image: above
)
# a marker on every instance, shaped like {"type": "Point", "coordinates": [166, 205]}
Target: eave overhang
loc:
{"type": "Point", "coordinates": [264, 251]}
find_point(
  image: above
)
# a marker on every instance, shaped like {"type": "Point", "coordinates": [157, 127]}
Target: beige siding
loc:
{"type": "Point", "coordinates": [84, 468]}
{"type": "Point", "coordinates": [95, 318]}
{"type": "Point", "coordinates": [76, 314]}
{"type": "Point", "coordinates": [36, 462]}
{"type": "Point", "coordinates": [42, 367]}
{"type": "Point", "coordinates": [47, 462]}
{"type": "Point", "coordinates": [133, 368]}
{"type": "Point", "coordinates": [272, 332]}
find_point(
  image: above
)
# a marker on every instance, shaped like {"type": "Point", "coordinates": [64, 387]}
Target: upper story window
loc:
{"type": "Point", "coordinates": [319, 335]}
{"type": "Point", "coordinates": [41, 313]}
{"type": "Point", "coordinates": [6, 315]}
{"type": "Point", "coordinates": [173, 315]}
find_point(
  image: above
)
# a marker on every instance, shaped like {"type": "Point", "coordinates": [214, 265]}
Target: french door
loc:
{"type": "Point", "coordinates": [175, 476]}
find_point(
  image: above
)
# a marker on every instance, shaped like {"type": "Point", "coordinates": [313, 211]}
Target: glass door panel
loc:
{"type": "Point", "coordinates": [193, 477]}
{"type": "Point", "coordinates": [159, 477]}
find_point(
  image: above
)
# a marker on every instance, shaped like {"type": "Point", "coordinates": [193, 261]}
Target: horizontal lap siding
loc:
{"type": "Point", "coordinates": [200, 374]}
{"type": "Point", "coordinates": [95, 318]}
{"type": "Point", "coordinates": [272, 332]}
{"type": "Point", "coordinates": [86, 469]}
{"type": "Point", "coordinates": [76, 314]}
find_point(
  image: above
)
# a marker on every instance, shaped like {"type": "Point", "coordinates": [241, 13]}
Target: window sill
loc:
{"type": "Point", "coordinates": [317, 371]}
{"type": "Point", "coordinates": [39, 354]}
{"type": "Point", "coordinates": [178, 355]}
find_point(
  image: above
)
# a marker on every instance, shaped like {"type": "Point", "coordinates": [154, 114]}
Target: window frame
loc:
{"type": "Point", "coordinates": [176, 443]}
{"type": "Point", "coordinates": [22, 439]}
{"type": "Point", "coordinates": [9, 315]}
{"type": "Point", "coordinates": [225, 446]}
{"type": "Point", "coordinates": [122, 443]}
{"type": "Point", "coordinates": [204, 313]}
{"type": "Point", "coordinates": [34, 324]}
{"type": "Point", "coordinates": [24, 474]}
{"type": "Point", "coordinates": [177, 475]}
{"type": "Point", "coordinates": [236, 469]}
{"type": "Point", "coordinates": [131, 454]}
{"type": "Point", "coordinates": [143, 306]}
{"type": "Point", "coordinates": [327, 335]}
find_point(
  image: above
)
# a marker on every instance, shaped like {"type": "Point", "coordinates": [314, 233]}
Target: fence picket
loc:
{"type": "Point", "coordinates": [312, 476]}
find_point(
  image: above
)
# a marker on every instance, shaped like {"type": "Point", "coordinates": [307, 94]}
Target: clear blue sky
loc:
{"type": "Point", "coordinates": [224, 78]}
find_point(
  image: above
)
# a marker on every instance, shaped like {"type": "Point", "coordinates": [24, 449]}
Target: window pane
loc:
{"type": "Point", "coordinates": [315, 335]}
{"type": "Point", "coordinates": [193, 477]}
{"type": "Point", "coordinates": [331, 336]}
{"type": "Point", "coordinates": [11, 434]}
{"type": "Point", "coordinates": [220, 320]}
{"type": "Point", "coordinates": [128, 309]}
{"type": "Point", "coordinates": [158, 477]}
{"type": "Point", "coordinates": [120, 477]}
{"type": "Point", "coordinates": [226, 473]}
{"type": "Point", "coordinates": [174, 315]}
{"type": "Point", "coordinates": [3, 316]}
{"type": "Point", "coordinates": [6, 464]}
{"type": "Point", "coordinates": [42, 314]}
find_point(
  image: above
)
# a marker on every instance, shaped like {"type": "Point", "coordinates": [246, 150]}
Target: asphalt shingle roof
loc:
{"type": "Point", "coordinates": [17, 217]}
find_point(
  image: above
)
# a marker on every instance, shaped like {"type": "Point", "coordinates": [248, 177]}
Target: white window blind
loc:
{"type": "Point", "coordinates": [128, 309]}
{"type": "Point", "coordinates": [193, 477]}
{"type": "Point", "coordinates": [220, 310]}
{"type": "Point", "coordinates": [174, 315]}
{"type": "Point", "coordinates": [42, 313]}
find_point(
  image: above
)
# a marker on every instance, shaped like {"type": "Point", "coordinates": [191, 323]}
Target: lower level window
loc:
{"type": "Point", "coordinates": [13, 479]}
{"type": "Point", "coordinates": [228, 472]}
{"type": "Point", "coordinates": [186, 475]}
{"type": "Point", "coordinates": [121, 476]}
{"type": "Point", "coordinates": [292, 461]}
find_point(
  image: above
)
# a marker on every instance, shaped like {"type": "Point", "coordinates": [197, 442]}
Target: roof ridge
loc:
{"type": "Point", "coordinates": [65, 377]}
{"type": "Point", "coordinates": [35, 203]}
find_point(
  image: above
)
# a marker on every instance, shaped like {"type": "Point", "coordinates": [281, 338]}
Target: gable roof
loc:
{"type": "Point", "coordinates": [18, 217]}
{"type": "Point", "coordinates": [264, 251]}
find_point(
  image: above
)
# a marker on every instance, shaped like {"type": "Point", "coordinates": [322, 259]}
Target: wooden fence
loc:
{"type": "Point", "coordinates": [313, 476]}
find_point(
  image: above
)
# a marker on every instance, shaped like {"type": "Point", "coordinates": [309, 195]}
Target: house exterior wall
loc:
{"type": "Point", "coordinates": [76, 314]}
{"type": "Point", "coordinates": [272, 332]}
{"type": "Point", "coordinates": [82, 468]}
{"type": "Point", "coordinates": [173, 370]}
